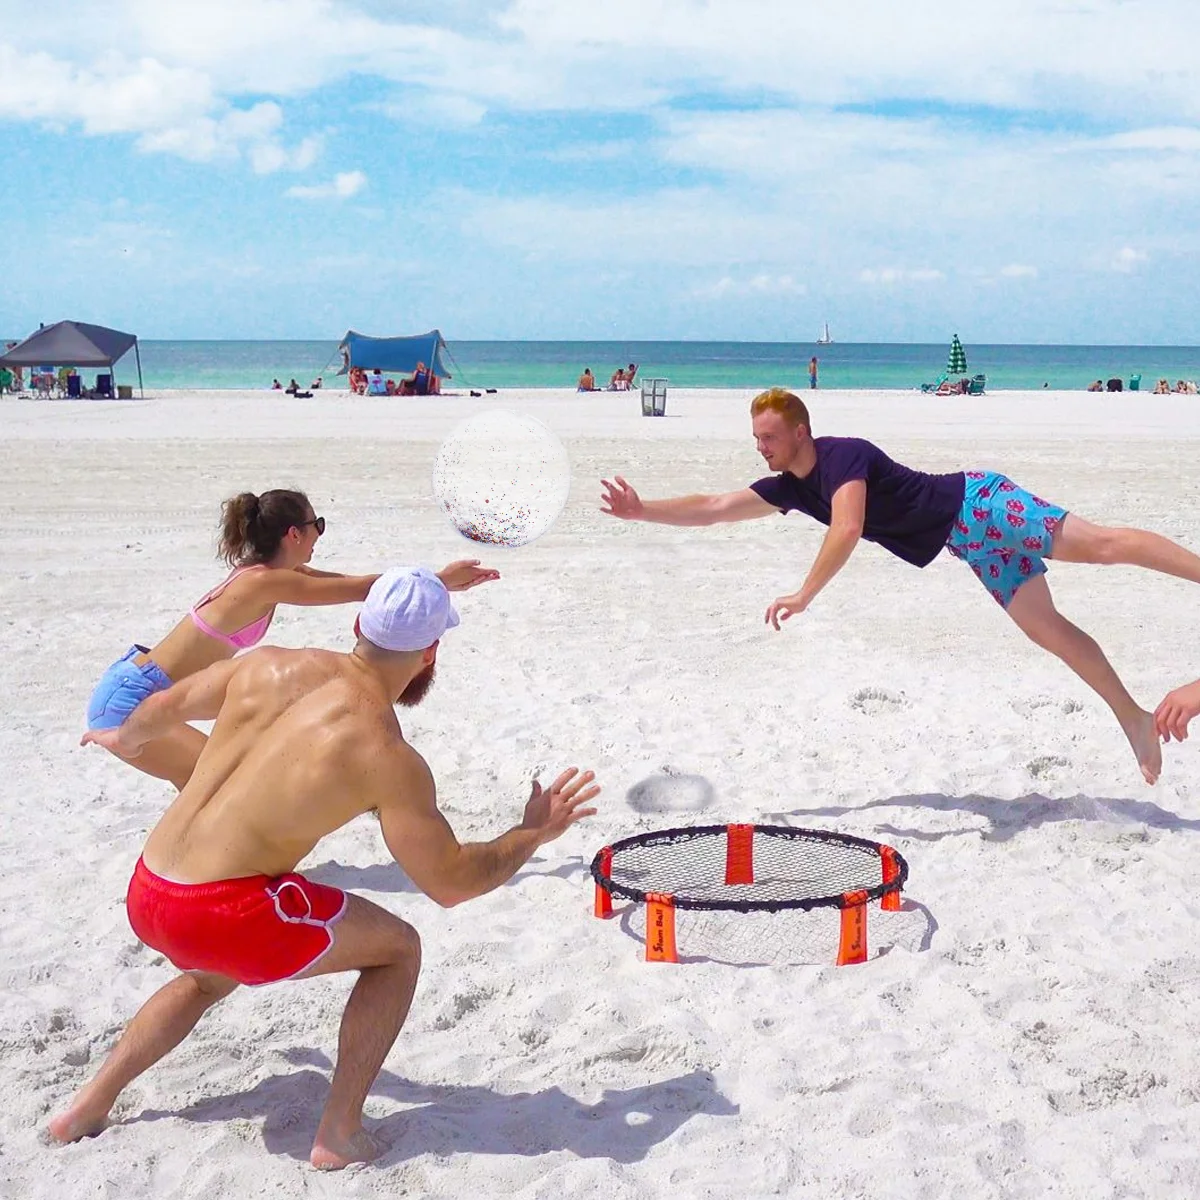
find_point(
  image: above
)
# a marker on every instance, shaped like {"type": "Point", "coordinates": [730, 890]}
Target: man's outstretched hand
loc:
{"type": "Point", "coordinates": [1171, 717]}
{"type": "Point", "coordinates": [783, 607]}
{"type": "Point", "coordinates": [551, 813]}
{"type": "Point", "coordinates": [465, 574]}
{"type": "Point", "coordinates": [620, 500]}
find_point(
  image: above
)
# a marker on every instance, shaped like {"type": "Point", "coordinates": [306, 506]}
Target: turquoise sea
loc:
{"type": "Point", "coordinates": [749, 365]}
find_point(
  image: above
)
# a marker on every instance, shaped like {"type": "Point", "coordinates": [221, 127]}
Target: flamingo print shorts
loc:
{"type": "Point", "coordinates": [1003, 533]}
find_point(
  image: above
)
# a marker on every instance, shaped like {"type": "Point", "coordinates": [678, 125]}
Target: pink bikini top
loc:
{"type": "Point", "coordinates": [248, 635]}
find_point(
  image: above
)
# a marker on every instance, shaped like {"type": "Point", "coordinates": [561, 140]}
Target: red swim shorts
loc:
{"type": "Point", "coordinates": [258, 929]}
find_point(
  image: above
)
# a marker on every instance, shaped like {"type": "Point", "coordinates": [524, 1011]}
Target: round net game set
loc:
{"type": "Point", "coordinates": [748, 869]}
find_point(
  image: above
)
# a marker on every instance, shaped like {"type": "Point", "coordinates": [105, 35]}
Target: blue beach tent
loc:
{"type": "Point", "coordinates": [399, 354]}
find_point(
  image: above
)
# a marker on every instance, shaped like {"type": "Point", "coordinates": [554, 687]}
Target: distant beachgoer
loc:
{"type": "Point", "coordinates": [268, 540]}
{"type": "Point", "coordinates": [587, 381]}
{"type": "Point", "coordinates": [618, 382]}
{"type": "Point", "coordinates": [1002, 532]}
{"type": "Point", "coordinates": [377, 384]}
{"type": "Point", "coordinates": [316, 383]}
{"type": "Point", "coordinates": [1097, 386]}
{"type": "Point", "coordinates": [304, 741]}
{"type": "Point", "coordinates": [630, 372]}
{"type": "Point", "coordinates": [1162, 388]}
{"type": "Point", "coordinates": [276, 386]}
{"type": "Point", "coordinates": [812, 372]}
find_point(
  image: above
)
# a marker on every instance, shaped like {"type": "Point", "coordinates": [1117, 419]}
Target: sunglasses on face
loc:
{"type": "Point", "coordinates": [319, 522]}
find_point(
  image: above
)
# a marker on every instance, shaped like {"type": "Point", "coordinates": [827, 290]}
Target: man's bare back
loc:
{"type": "Point", "coordinates": [302, 742]}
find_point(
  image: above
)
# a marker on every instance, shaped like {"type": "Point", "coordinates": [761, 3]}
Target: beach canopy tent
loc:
{"type": "Point", "coordinates": [74, 344]}
{"type": "Point", "coordinates": [394, 353]}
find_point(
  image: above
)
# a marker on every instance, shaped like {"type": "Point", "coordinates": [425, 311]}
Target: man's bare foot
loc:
{"type": "Point", "coordinates": [1144, 740]}
{"type": "Point", "coordinates": [77, 1122]}
{"type": "Point", "coordinates": [333, 1153]}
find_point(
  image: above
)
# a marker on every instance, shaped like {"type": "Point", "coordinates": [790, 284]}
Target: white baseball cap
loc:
{"type": "Point", "coordinates": [407, 608]}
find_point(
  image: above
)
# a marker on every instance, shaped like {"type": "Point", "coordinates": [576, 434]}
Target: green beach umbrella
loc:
{"type": "Point", "coordinates": [958, 358]}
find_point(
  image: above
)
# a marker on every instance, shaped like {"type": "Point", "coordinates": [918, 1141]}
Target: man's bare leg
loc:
{"type": "Point", "coordinates": [1032, 608]}
{"type": "Point", "coordinates": [386, 952]}
{"type": "Point", "coordinates": [1077, 540]}
{"type": "Point", "coordinates": [159, 1026]}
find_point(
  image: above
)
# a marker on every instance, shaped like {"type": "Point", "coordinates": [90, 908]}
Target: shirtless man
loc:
{"type": "Point", "coordinates": [304, 741]}
{"type": "Point", "coordinates": [1001, 531]}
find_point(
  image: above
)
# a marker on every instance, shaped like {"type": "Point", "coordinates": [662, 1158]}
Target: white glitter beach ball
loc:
{"type": "Point", "coordinates": [502, 478]}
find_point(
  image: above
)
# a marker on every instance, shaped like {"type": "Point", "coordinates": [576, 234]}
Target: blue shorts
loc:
{"type": "Point", "coordinates": [122, 688]}
{"type": "Point", "coordinates": [1003, 533]}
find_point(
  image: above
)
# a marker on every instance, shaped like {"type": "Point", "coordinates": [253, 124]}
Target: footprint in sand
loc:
{"type": "Point", "coordinates": [875, 700]}
{"type": "Point", "coordinates": [1045, 765]}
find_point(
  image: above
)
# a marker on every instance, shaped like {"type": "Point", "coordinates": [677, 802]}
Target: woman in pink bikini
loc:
{"type": "Point", "coordinates": [268, 541]}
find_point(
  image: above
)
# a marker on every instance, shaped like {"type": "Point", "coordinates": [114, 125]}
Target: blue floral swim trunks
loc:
{"type": "Point", "coordinates": [1003, 533]}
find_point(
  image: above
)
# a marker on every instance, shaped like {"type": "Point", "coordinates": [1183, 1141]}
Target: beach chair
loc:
{"type": "Point", "coordinates": [104, 387]}
{"type": "Point", "coordinates": [74, 387]}
{"type": "Point", "coordinates": [976, 386]}
{"type": "Point", "coordinates": [937, 383]}
{"type": "Point", "coordinates": [654, 397]}
{"type": "Point", "coordinates": [1135, 383]}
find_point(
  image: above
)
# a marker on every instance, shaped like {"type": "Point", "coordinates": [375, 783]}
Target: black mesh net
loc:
{"type": "Point", "coordinates": [793, 868]}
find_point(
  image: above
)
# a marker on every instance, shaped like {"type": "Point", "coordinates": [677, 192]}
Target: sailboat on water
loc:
{"type": "Point", "coordinates": [825, 339]}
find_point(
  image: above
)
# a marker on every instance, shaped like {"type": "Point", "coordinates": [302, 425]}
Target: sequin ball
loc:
{"type": "Point", "coordinates": [502, 478]}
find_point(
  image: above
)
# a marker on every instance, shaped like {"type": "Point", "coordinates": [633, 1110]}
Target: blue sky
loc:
{"type": "Point", "coordinates": [1015, 170]}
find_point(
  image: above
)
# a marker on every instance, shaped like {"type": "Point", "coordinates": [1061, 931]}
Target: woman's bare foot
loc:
{"type": "Point", "coordinates": [330, 1153]}
{"type": "Point", "coordinates": [1144, 739]}
{"type": "Point", "coordinates": [77, 1122]}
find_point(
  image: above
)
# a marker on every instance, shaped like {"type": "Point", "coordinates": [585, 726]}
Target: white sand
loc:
{"type": "Point", "coordinates": [1031, 1030]}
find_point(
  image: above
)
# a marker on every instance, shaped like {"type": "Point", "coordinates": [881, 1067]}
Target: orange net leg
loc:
{"type": "Point", "coordinates": [603, 904]}
{"type": "Point", "coordinates": [891, 872]}
{"type": "Point", "coordinates": [853, 945]}
{"type": "Point", "coordinates": [739, 854]}
{"type": "Point", "coordinates": [660, 928]}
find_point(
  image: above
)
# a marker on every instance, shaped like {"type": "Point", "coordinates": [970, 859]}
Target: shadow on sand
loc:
{"type": "Point", "coordinates": [442, 1119]}
{"type": "Point", "coordinates": [1004, 818]}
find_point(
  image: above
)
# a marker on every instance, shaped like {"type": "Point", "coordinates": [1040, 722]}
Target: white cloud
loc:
{"type": "Point", "coordinates": [756, 285]}
{"type": "Point", "coordinates": [1127, 259]}
{"type": "Point", "coordinates": [1018, 271]}
{"type": "Point", "coordinates": [172, 110]}
{"type": "Point", "coordinates": [890, 275]}
{"type": "Point", "coordinates": [268, 157]}
{"type": "Point", "coordinates": [343, 185]}
{"type": "Point", "coordinates": [440, 111]}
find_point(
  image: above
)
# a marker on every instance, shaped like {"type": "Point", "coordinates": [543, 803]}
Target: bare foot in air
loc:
{"type": "Point", "coordinates": [77, 1122]}
{"type": "Point", "coordinates": [1144, 740]}
{"type": "Point", "coordinates": [330, 1153]}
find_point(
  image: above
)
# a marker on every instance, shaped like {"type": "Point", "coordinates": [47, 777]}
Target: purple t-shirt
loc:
{"type": "Point", "coordinates": [908, 512]}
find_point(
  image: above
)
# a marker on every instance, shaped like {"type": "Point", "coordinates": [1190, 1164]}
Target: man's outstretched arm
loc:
{"type": "Point", "coordinates": [620, 500]}
{"type": "Point", "coordinates": [848, 512]}
{"type": "Point", "coordinates": [448, 871]}
{"type": "Point", "coordinates": [197, 698]}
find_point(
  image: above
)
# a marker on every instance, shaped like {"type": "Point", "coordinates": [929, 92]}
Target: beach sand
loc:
{"type": "Point", "coordinates": [1026, 1027]}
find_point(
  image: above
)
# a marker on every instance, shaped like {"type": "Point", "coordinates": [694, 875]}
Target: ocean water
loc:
{"type": "Point", "coordinates": [748, 365]}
